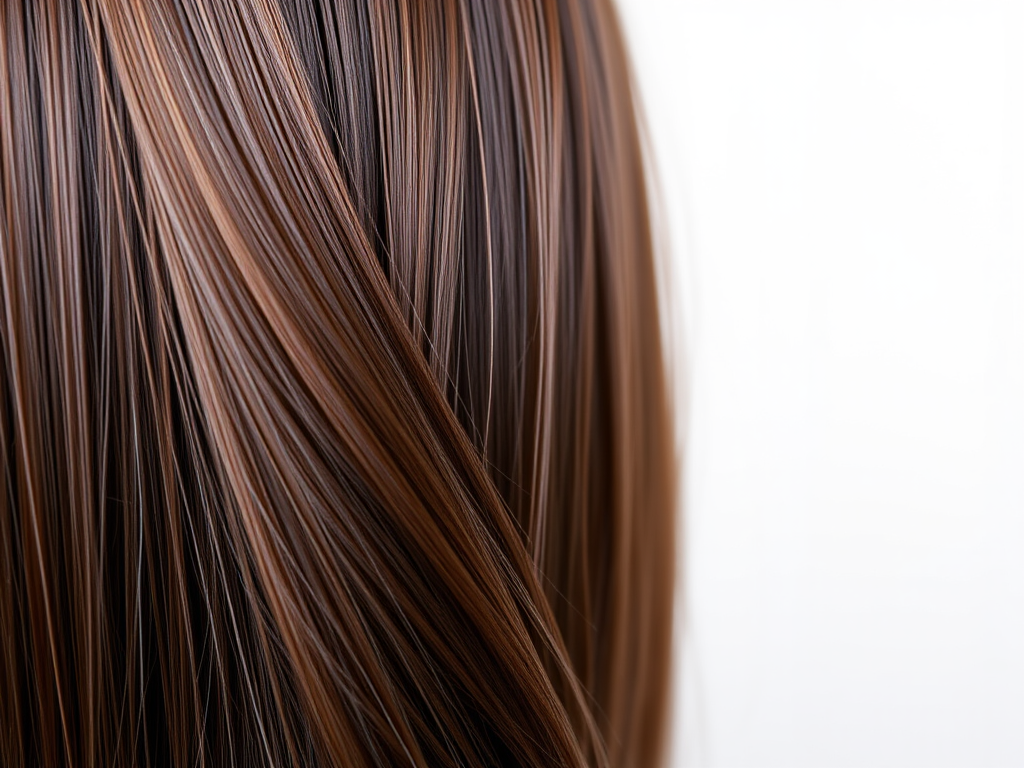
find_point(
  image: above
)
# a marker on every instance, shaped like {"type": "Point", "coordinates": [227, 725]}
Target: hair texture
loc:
{"type": "Point", "coordinates": [334, 427]}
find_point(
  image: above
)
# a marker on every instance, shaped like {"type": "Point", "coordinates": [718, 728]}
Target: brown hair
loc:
{"type": "Point", "coordinates": [333, 417]}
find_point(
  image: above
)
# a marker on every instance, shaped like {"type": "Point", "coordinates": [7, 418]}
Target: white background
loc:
{"type": "Point", "coordinates": [843, 190]}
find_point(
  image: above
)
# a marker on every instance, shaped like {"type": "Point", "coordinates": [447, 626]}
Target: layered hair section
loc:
{"type": "Point", "coordinates": [334, 426]}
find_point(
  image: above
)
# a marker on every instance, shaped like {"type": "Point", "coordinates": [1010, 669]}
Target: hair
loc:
{"type": "Point", "coordinates": [334, 425]}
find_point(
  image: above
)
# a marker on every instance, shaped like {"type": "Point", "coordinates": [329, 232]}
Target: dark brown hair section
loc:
{"type": "Point", "coordinates": [333, 415]}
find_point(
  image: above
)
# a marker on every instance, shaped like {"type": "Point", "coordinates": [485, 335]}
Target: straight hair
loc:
{"type": "Point", "coordinates": [334, 425]}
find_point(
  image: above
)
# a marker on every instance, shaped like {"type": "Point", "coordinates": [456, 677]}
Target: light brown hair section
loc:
{"type": "Point", "coordinates": [334, 426]}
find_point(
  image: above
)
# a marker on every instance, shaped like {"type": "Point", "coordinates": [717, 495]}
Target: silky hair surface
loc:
{"type": "Point", "coordinates": [334, 426]}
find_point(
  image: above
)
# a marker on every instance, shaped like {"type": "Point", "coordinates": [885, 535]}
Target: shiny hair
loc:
{"type": "Point", "coordinates": [334, 425]}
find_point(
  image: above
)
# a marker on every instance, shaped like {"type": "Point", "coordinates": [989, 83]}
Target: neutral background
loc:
{"type": "Point", "coordinates": [843, 191]}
